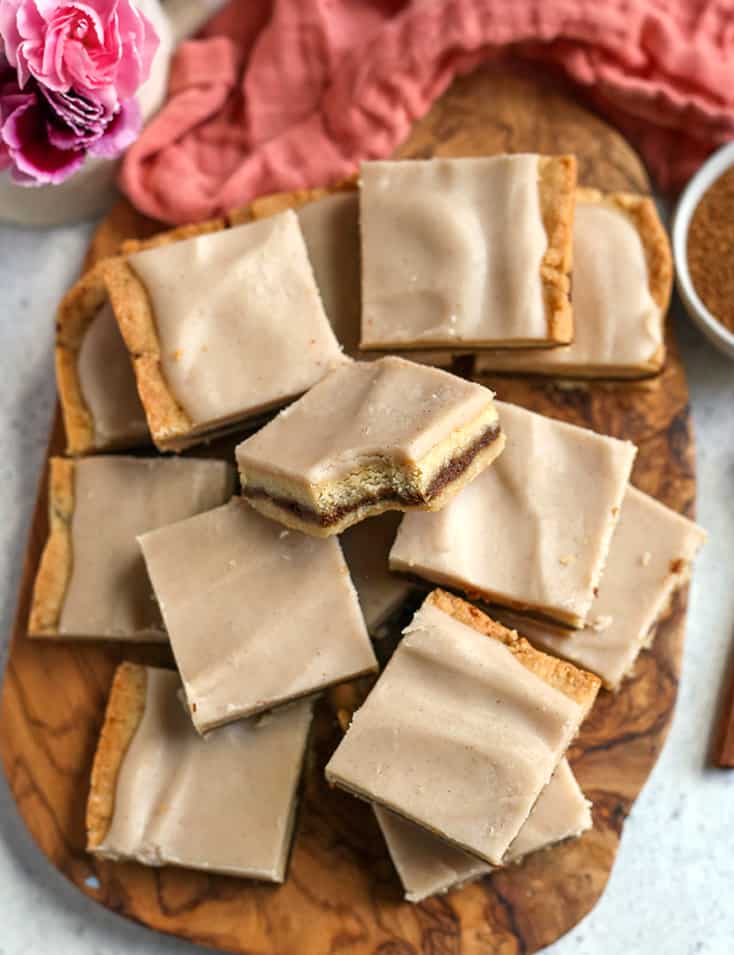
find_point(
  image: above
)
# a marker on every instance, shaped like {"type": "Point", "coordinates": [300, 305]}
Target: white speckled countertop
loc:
{"type": "Point", "coordinates": [671, 889]}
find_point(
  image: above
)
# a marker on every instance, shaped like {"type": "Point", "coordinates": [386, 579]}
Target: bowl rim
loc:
{"type": "Point", "coordinates": [712, 169]}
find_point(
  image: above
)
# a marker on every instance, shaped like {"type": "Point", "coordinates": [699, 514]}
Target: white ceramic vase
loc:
{"type": "Point", "coordinates": [90, 191]}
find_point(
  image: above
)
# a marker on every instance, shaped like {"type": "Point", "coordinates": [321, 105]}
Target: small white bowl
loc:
{"type": "Point", "coordinates": [714, 330]}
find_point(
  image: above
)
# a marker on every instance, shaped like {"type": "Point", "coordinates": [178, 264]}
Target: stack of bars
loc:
{"type": "Point", "coordinates": [361, 481]}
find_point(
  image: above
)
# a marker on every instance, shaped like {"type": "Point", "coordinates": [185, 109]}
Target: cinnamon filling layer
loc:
{"type": "Point", "coordinates": [452, 470]}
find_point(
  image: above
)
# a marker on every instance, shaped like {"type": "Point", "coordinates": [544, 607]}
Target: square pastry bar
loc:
{"type": "Point", "coordinates": [427, 865]}
{"type": "Point", "coordinates": [366, 548]}
{"type": "Point", "coordinates": [388, 435]}
{"type": "Point", "coordinates": [221, 327]}
{"type": "Point", "coordinates": [622, 276]}
{"type": "Point", "coordinates": [161, 795]}
{"type": "Point", "coordinates": [257, 615]}
{"type": "Point", "coordinates": [650, 556]}
{"type": "Point", "coordinates": [99, 399]}
{"type": "Point", "coordinates": [463, 729]}
{"type": "Point", "coordinates": [92, 582]}
{"type": "Point", "coordinates": [472, 253]}
{"type": "Point", "coordinates": [329, 220]}
{"type": "Point", "coordinates": [532, 532]}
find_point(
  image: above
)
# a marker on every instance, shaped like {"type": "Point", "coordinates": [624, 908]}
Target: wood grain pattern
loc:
{"type": "Point", "coordinates": [342, 893]}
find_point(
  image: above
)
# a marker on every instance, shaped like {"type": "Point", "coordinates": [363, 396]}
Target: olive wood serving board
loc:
{"type": "Point", "coordinates": [342, 893]}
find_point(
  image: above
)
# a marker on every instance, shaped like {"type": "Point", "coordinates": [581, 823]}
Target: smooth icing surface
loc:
{"type": "Point", "coordinates": [616, 321]}
{"type": "Point", "coordinates": [366, 548]}
{"type": "Point", "coordinates": [223, 804]}
{"type": "Point", "coordinates": [108, 383]}
{"type": "Point", "coordinates": [116, 498]}
{"type": "Point", "coordinates": [256, 614]}
{"type": "Point", "coordinates": [239, 318]}
{"type": "Point", "coordinates": [457, 735]}
{"type": "Point", "coordinates": [534, 529]}
{"type": "Point", "coordinates": [438, 263]}
{"type": "Point", "coordinates": [561, 811]}
{"type": "Point", "coordinates": [330, 229]}
{"type": "Point", "coordinates": [649, 557]}
{"type": "Point", "coordinates": [361, 412]}
{"type": "Point", "coordinates": [427, 864]}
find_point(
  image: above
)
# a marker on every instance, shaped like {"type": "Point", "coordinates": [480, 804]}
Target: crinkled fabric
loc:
{"type": "Point", "coordinates": [288, 94]}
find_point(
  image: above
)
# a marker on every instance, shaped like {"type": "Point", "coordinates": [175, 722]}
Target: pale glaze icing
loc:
{"type": "Point", "coordinates": [534, 529]}
{"type": "Point", "coordinates": [561, 811]}
{"type": "Point", "coordinates": [366, 548]}
{"type": "Point", "coordinates": [457, 735]}
{"type": "Point", "coordinates": [389, 408]}
{"type": "Point", "coordinates": [616, 322]}
{"type": "Point", "coordinates": [239, 319]}
{"type": "Point", "coordinates": [115, 498]}
{"type": "Point", "coordinates": [649, 557]}
{"type": "Point", "coordinates": [451, 251]}
{"type": "Point", "coordinates": [256, 614]}
{"type": "Point", "coordinates": [108, 383]}
{"type": "Point", "coordinates": [428, 864]}
{"type": "Point", "coordinates": [330, 229]}
{"type": "Point", "coordinates": [224, 804]}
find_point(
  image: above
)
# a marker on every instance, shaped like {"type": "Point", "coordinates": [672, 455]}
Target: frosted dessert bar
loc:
{"type": "Point", "coordinates": [650, 556]}
{"type": "Point", "coordinates": [427, 865]}
{"type": "Point", "coordinates": [99, 400]}
{"type": "Point", "coordinates": [370, 437]}
{"type": "Point", "coordinates": [221, 327]}
{"type": "Point", "coordinates": [161, 795]}
{"type": "Point", "coordinates": [622, 277]}
{"type": "Point", "coordinates": [329, 220]}
{"type": "Point", "coordinates": [463, 728]}
{"type": "Point", "coordinates": [91, 582]}
{"type": "Point", "coordinates": [257, 615]}
{"type": "Point", "coordinates": [533, 531]}
{"type": "Point", "coordinates": [366, 548]}
{"type": "Point", "coordinates": [472, 253]}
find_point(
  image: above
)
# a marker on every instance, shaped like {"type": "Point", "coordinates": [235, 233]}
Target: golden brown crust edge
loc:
{"type": "Point", "coordinates": [130, 246]}
{"type": "Point", "coordinates": [557, 189]}
{"type": "Point", "coordinates": [124, 712]}
{"type": "Point", "coordinates": [169, 424]}
{"type": "Point", "coordinates": [277, 202]}
{"type": "Point", "coordinates": [658, 257]}
{"type": "Point", "coordinates": [73, 318]}
{"type": "Point", "coordinates": [642, 213]}
{"type": "Point", "coordinates": [576, 684]}
{"type": "Point", "coordinates": [167, 421]}
{"type": "Point", "coordinates": [54, 570]}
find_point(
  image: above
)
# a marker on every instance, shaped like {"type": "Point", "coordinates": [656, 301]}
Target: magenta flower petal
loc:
{"type": "Point", "coordinates": [6, 160]}
{"type": "Point", "coordinates": [121, 132]}
{"type": "Point", "coordinates": [34, 158]}
{"type": "Point", "coordinates": [74, 121]}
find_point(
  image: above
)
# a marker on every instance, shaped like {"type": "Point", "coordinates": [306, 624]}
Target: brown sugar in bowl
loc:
{"type": "Point", "coordinates": [703, 248]}
{"type": "Point", "coordinates": [710, 248]}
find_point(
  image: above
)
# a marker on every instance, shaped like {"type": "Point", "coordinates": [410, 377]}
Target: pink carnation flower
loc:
{"type": "Point", "coordinates": [67, 81]}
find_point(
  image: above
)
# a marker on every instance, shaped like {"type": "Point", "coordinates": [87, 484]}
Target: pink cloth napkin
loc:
{"type": "Point", "coordinates": [282, 94]}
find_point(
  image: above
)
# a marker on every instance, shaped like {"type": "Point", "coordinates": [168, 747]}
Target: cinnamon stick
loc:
{"type": "Point", "coordinates": [725, 751]}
